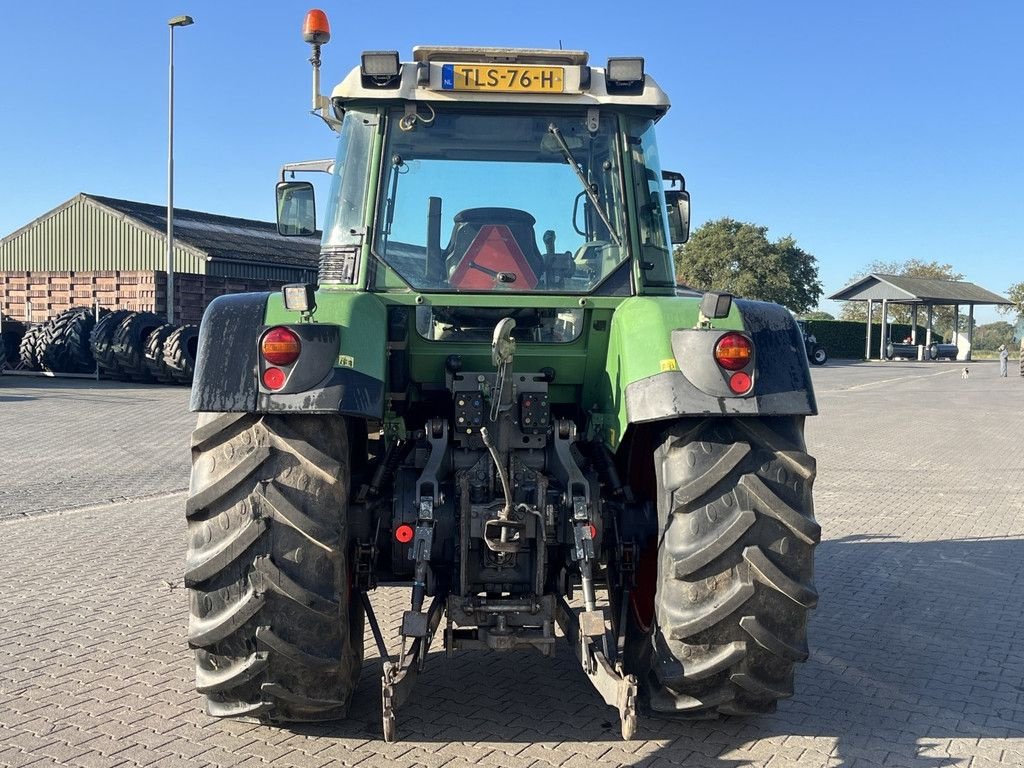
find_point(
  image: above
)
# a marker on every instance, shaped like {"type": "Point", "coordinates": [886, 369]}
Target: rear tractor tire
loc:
{"type": "Point", "coordinates": [735, 567]}
{"type": "Point", "coordinates": [276, 627]}
{"type": "Point", "coordinates": [66, 346]}
{"type": "Point", "coordinates": [11, 333]}
{"type": "Point", "coordinates": [154, 354]}
{"type": "Point", "coordinates": [101, 342]}
{"type": "Point", "coordinates": [180, 349]}
{"type": "Point", "coordinates": [129, 344]}
{"type": "Point", "coordinates": [28, 347]}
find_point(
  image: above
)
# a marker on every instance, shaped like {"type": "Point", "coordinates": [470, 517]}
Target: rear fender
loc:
{"type": "Point", "coordinates": [339, 371]}
{"type": "Point", "coordinates": [661, 363]}
{"type": "Point", "coordinates": [225, 376]}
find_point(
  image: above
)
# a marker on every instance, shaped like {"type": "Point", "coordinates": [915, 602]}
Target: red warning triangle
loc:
{"type": "Point", "coordinates": [494, 250]}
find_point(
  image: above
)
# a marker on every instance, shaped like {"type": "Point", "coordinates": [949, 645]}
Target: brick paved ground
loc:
{"type": "Point", "coordinates": [917, 647]}
{"type": "Point", "coordinates": [75, 442]}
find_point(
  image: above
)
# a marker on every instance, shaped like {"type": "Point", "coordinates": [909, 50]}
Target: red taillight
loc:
{"type": "Point", "coordinates": [273, 378]}
{"type": "Point", "coordinates": [740, 382]}
{"type": "Point", "coordinates": [280, 346]}
{"type": "Point", "coordinates": [404, 533]}
{"type": "Point", "coordinates": [733, 351]}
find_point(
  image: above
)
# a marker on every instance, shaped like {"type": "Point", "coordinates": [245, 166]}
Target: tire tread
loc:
{"type": "Point", "coordinates": [277, 632]}
{"type": "Point", "coordinates": [735, 567]}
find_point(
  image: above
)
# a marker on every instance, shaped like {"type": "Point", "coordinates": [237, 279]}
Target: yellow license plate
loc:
{"type": "Point", "coordinates": [505, 78]}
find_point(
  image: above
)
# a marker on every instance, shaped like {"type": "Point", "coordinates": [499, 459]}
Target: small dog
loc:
{"type": "Point", "coordinates": [965, 373]}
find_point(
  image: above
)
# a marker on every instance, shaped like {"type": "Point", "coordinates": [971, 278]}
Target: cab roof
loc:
{"type": "Point", "coordinates": [428, 78]}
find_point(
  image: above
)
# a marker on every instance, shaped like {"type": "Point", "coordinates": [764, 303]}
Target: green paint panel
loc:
{"type": "Point", "coordinates": [641, 346]}
{"type": "Point", "coordinates": [363, 322]}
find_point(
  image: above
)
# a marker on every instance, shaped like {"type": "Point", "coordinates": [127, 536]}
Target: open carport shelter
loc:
{"type": "Point", "coordinates": [918, 292]}
{"type": "Point", "coordinates": [102, 249]}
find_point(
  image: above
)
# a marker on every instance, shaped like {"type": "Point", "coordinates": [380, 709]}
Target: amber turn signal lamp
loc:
{"type": "Point", "coordinates": [280, 346]}
{"type": "Point", "coordinates": [316, 30]}
{"type": "Point", "coordinates": [733, 351]}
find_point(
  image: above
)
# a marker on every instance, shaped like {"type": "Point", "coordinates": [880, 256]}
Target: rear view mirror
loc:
{"type": "Point", "coordinates": [677, 201]}
{"type": "Point", "coordinates": [296, 208]}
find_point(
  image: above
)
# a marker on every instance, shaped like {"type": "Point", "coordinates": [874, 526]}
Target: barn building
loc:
{"type": "Point", "coordinates": [95, 248]}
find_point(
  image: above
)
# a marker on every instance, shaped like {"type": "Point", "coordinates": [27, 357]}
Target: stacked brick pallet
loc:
{"type": "Point", "coordinates": [142, 291]}
{"type": "Point", "coordinates": [53, 292]}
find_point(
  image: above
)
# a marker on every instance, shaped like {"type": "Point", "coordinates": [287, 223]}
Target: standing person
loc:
{"type": "Point", "coordinates": [1004, 355]}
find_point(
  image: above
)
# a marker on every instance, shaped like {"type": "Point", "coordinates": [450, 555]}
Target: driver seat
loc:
{"type": "Point", "coordinates": [470, 222]}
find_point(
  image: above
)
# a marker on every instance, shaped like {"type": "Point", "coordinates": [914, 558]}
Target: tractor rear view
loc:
{"type": "Point", "coordinates": [496, 397]}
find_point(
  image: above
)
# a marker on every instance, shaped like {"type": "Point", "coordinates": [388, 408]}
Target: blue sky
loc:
{"type": "Point", "coordinates": [869, 130]}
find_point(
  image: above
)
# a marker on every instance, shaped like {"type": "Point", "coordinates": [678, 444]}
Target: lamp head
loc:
{"type": "Point", "coordinates": [316, 30]}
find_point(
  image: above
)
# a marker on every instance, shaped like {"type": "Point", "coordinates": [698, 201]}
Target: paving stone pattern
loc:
{"type": "Point", "coordinates": [68, 443]}
{"type": "Point", "coordinates": [917, 648]}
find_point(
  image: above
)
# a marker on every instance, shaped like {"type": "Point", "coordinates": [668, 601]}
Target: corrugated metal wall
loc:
{"type": "Point", "coordinates": [85, 237]}
{"type": "Point", "coordinates": [260, 271]}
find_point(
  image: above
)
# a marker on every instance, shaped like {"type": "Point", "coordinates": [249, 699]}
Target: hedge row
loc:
{"type": "Point", "coordinates": [844, 339]}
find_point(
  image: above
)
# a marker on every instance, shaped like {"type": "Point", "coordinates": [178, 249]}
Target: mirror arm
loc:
{"type": "Point", "coordinates": [674, 177]}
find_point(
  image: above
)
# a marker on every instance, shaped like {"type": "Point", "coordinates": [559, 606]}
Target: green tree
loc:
{"type": "Point", "coordinates": [737, 257]}
{"type": "Point", "coordinates": [816, 315]}
{"type": "Point", "coordinates": [1015, 293]}
{"type": "Point", "coordinates": [991, 335]}
{"type": "Point", "coordinates": [902, 313]}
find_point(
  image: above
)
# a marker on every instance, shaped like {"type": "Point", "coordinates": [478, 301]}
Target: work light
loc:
{"type": "Point", "coordinates": [299, 297]}
{"type": "Point", "coordinates": [380, 66]}
{"type": "Point", "coordinates": [623, 71]}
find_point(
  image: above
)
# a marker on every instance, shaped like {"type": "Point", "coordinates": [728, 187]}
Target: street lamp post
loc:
{"type": "Point", "coordinates": [177, 21]}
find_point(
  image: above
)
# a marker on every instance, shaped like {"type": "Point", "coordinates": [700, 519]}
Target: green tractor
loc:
{"type": "Point", "coordinates": [497, 397]}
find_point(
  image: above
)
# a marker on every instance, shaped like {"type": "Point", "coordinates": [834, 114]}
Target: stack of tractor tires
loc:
{"type": "Point", "coordinates": [143, 347]}
{"type": "Point", "coordinates": [734, 586]}
{"type": "Point", "coordinates": [122, 344]}
{"type": "Point", "coordinates": [275, 624]}
{"type": "Point", "coordinates": [65, 342]}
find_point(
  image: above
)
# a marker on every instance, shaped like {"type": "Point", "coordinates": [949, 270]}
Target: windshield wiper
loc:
{"type": "Point", "coordinates": [587, 187]}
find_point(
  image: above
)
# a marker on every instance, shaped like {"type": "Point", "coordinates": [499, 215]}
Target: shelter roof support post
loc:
{"type": "Point", "coordinates": [867, 342]}
{"type": "Point", "coordinates": [931, 321]}
{"type": "Point", "coordinates": [956, 328]}
{"type": "Point", "coordinates": [913, 324]}
{"type": "Point", "coordinates": [884, 340]}
{"type": "Point", "coordinates": [970, 331]}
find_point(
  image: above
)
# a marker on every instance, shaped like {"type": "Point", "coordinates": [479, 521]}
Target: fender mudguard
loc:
{"type": "Point", "coordinates": [228, 367]}
{"type": "Point", "coordinates": [225, 376]}
{"type": "Point", "coordinates": [782, 380]}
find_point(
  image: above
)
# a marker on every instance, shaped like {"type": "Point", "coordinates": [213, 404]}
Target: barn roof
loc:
{"type": "Point", "coordinates": [222, 237]}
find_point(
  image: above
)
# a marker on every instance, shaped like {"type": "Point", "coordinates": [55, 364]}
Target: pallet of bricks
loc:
{"type": "Point", "coordinates": [88, 322]}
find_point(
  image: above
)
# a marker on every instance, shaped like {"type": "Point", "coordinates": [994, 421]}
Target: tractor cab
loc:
{"type": "Point", "coordinates": [491, 170]}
